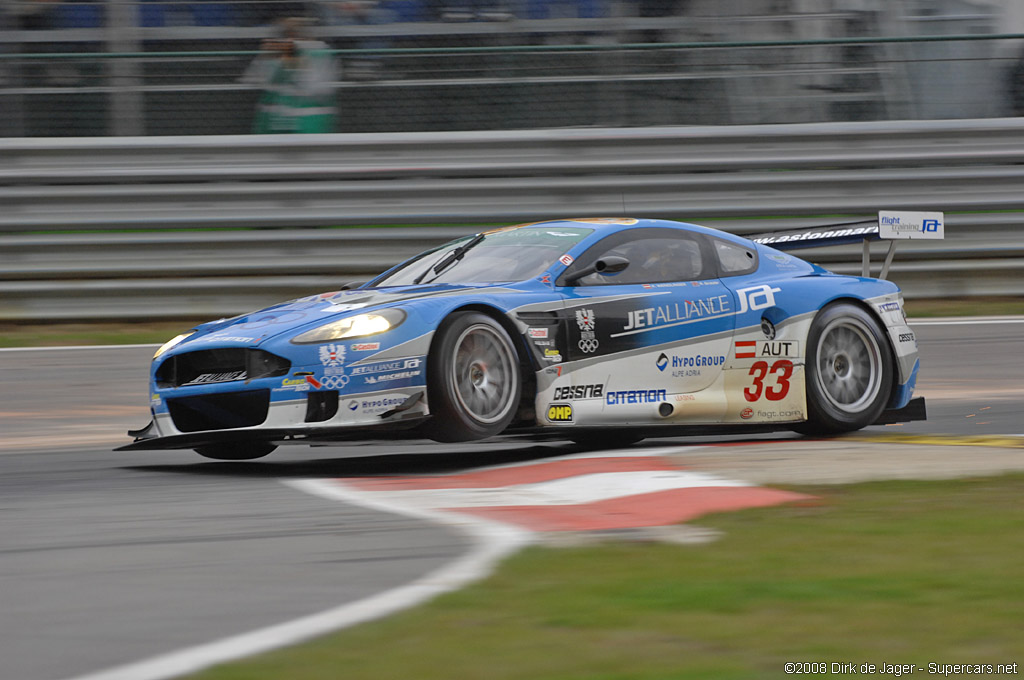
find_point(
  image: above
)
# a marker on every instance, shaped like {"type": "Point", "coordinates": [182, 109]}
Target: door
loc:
{"type": "Point", "coordinates": [654, 333]}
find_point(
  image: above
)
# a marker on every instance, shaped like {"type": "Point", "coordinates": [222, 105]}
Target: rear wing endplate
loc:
{"type": "Point", "coordinates": [892, 226]}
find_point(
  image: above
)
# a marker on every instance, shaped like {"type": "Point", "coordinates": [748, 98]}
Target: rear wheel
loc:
{"type": "Point", "coordinates": [236, 451]}
{"type": "Point", "coordinates": [849, 371]}
{"type": "Point", "coordinates": [474, 379]}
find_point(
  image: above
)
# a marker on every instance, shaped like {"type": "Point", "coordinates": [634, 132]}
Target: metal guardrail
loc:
{"type": "Point", "coordinates": [141, 191]}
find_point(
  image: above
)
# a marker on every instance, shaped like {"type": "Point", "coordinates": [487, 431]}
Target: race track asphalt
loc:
{"type": "Point", "coordinates": [107, 558]}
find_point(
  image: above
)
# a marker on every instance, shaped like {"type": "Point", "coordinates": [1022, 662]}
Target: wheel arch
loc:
{"type": "Point", "coordinates": [873, 313]}
{"type": "Point", "coordinates": [528, 377]}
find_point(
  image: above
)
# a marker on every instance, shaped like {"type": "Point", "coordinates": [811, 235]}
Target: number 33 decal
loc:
{"type": "Point", "coordinates": [782, 370]}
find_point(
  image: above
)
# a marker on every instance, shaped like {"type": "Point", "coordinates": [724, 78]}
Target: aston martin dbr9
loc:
{"type": "Point", "coordinates": [596, 330]}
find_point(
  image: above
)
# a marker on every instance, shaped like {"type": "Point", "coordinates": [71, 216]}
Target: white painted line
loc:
{"type": "Point", "coordinates": [578, 490]}
{"type": "Point", "coordinates": [74, 347]}
{"type": "Point", "coordinates": [652, 452]}
{"type": "Point", "coordinates": [980, 321]}
{"type": "Point", "coordinates": [492, 542]}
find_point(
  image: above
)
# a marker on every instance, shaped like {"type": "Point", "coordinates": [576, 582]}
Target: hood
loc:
{"type": "Point", "coordinates": [315, 310]}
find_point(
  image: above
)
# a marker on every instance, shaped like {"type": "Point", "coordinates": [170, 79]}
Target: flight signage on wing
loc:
{"type": "Point", "coordinates": [901, 224]}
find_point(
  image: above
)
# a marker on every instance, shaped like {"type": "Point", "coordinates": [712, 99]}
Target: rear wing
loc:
{"type": "Point", "coordinates": [891, 225]}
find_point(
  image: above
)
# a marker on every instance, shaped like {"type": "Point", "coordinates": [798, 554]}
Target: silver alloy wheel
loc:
{"type": "Point", "coordinates": [485, 374]}
{"type": "Point", "coordinates": [849, 363]}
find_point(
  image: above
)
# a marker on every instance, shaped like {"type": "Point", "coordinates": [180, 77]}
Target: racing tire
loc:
{"type": "Point", "coordinates": [849, 371]}
{"type": "Point", "coordinates": [237, 451]}
{"type": "Point", "coordinates": [473, 379]}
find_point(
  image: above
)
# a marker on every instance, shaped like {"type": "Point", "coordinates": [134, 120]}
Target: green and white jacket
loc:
{"type": "Point", "coordinates": [298, 96]}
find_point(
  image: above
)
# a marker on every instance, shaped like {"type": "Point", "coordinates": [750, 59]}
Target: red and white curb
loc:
{"type": "Point", "coordinates": [501, 509]}
{"type": "Point", "coordinates": [585, 492]}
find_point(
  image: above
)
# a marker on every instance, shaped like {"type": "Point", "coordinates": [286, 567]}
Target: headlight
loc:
{"type": "Point", "coordinates": [171, 343]}
{"type": "Point", "coordinates": [357, 326]}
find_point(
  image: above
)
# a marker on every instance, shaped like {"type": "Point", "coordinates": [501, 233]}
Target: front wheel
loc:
{"type": "Point", "coordinates": [849, 371]}
{"type": "Point", "coordinates": [474, 379]}
{"type": "Point", "coordinates": [236, 451]}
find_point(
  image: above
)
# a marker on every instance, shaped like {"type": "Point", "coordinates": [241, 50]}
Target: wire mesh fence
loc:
{"type": "Point", "coordinates": [147, 67]}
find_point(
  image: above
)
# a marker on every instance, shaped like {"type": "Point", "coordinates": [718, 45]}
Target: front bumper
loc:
{"type": "Point", "coordinates": [203, 421]}
{"type": "Point", "coordinates": [405, 429]}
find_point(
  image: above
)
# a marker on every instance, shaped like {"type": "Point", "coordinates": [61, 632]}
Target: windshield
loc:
{"type": "Point", "coordinates": [512, 254]}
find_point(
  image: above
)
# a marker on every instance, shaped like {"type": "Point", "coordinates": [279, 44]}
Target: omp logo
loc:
{"type": "Point", "coordinates": [662, 362]}
{"type": "Point", "coordinates": [757, 297]}
{"type": "Point", "coordinates": [560, 413]}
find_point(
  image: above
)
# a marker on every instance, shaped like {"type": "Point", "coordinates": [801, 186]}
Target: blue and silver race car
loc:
{"type": "Point", "coordinates": [603, 331]}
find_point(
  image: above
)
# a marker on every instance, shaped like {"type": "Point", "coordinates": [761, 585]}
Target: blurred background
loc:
{"type": "Point", "coordinates": [175, 67]}
{"type": "Point", "coordinates": [133, 188]}
{"type": "Point", "coordinates": [135, 201]}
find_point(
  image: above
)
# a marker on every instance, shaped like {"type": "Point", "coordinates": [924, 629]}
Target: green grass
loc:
{"type": "Point", "coordinates": [897, 572]}
{"type": "Point", "coordinates": [104, 333]}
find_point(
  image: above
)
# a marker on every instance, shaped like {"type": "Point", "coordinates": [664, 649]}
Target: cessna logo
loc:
{"type": "Point", "coordinates": [579, 391]}
{"type": "Point", "coordinates": [560, 413]}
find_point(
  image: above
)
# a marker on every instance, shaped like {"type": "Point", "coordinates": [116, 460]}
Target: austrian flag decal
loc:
{"type": "Point", "coordinates": [746, 349]}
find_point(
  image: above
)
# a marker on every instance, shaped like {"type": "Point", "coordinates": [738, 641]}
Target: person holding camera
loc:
{"type": "Point", "coordinates": [298, 78]}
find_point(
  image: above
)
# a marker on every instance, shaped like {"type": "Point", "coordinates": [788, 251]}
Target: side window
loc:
{"type": "Point", "coordinates": [656, 258]}
{"type": "Point", "coordinates": [734, 259]}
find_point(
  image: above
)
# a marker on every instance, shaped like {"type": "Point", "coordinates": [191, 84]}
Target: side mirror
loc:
{"type": "Point", "coordinates": [612, 264]}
